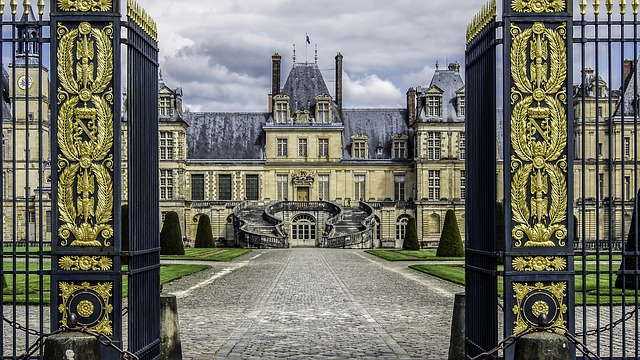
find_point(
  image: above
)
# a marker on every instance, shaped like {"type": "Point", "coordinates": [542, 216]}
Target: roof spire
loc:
{"type": "Point", "coordinates": [294, 53]}
{"type": "Point", "coordinates": [316, 57]}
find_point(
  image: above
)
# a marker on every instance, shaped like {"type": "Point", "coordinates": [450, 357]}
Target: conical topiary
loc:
{"type": "Point", "coordinates": [450, 240]}
{"type": "Point", "coordinates": [630, 262]}
{"type": "Point", "coordinates": [411, 236]}
{"type": "Point", "coordinates": [124, 232]}
{"type": "Point", "coordinates": [204, 238]}
{"type": "Point", "coordinates": [171, 236]}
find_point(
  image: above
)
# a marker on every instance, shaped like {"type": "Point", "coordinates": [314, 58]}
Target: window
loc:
{"type": "Point", "coordinates": [398, 187]}
{"type": "Point", "coordinates": [224, 187]}
{"type": "Point", "coordinates": [359, 181]}
{"type": "Point", "coordinates": [282, 148]}
{"type": "Point", "coordinates": [599, 149]}
{"type": "Point", "coordinates": [252, 190]}
{"type": "Point", "coordinates": [461, 104]}
{"type": "Point", "coordinates": [303, 227]}
{"type": "Point", "coordinates": [302, 147]}
{"type": "Point", "coordinates": [433, 145]}
{"type": "Point", "coordinates": [163, 215]}
{"type": "Point", "coordinates": [322, 109]}
{"type": "Point", "coordinates": [323, 187]}
{"type": "Point", "coordinates": [401, 227]}
{"type": "Point", "coordinates": [166, 184]}
{"type": "Point", "coordinates": [627, 187]}
{"type": "Point", "coordinates": [282, 186]}
{"type": "Point", "coordinates": [47, 215]}
{"type": "Point", "coordinates": [399, 149]}
{"type": "Point", "coordinates": [461, 146]}
{"type": "Point", "coordinates": [434, 184]}
{"type": "Point", "coordinates": [434, 105]}
{"type": "Point", "coordinates": [463, 183]}
{"type": "Point", "coordinates": [599, 111]}
{"type": "Point", "coordinates": [282, 112]}
{"type": "Point", "coordinates": [600, 186]}
{"type": "Point", "coordinates": [627, 146]}
{"type": "Point", "coordinates": [323, 147]}
{"type": "Point", "coordinates": [165, 106]}
{"type": "Point", "coordinates": [197, 187]}
{"type": "Point", "coordinates": [360, 149]}
{"type": "Point", "coordinates": [166, 145]}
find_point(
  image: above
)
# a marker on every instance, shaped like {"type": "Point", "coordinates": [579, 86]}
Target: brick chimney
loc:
{"type": "Point", "coordinates": [276, 61]}
{"type": "Point", "coordinates": [628, 69]}
{"type": "Point", "coordinates": [411, 106]}
{"type": "Point", "coordinates": [339, 83]}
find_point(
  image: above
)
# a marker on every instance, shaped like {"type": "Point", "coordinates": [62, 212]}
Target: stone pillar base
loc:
{"type": "Point", "coordinates": [71, 346]}
{"type": "Point", "coordinates": [542, 345]}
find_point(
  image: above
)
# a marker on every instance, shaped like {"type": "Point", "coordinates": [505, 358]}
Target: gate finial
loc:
{"type": "Point", "coordinates": [623, 7]}
{"type": "Point", "coordinates": [609, 5]}
{"type": "Point", "coordinates": [634, 5]}
{"type": "Point", "coordinates": [583, 7]}
{"type": "Point", "coordinates": [1, 7]}
{"type": "Point", "coordinates": [26, 6]}
{"type": "Point", "coordinates": [596, 7]}
{"type": "Point", "coordinates": [41, 5]}
{"type": "Point", "coordinates": [14, 6]}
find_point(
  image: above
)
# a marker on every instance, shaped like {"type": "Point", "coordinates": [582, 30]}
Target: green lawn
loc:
{"type": "Point", "coordinates": [168, 273]}
{"type": "Point", "coordinates": [455, 274]}
{"type": "Point", "coordinates": [410, 255]}
{"type": "Point", "coordinates": [208, 254]}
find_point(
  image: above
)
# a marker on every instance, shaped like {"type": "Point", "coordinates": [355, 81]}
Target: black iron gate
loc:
{"type": "Point", "coordinates": [62, 170]}
{"type": "Point", "coordinates": [568, 153]}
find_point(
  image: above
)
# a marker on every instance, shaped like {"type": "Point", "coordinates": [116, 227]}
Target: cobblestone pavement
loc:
{"type": "Point", "coordinates": [305, 303]}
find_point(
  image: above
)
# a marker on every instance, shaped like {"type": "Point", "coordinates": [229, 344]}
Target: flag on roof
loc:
{"type": "Point", "coordinates": [308, 41]}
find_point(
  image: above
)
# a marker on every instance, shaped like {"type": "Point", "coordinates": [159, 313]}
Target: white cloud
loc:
{"type": "Point", "coordinates": [370, 91]}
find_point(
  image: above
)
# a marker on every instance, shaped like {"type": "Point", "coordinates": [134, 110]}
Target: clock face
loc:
{"type": "Point", "coordinates": [24, 82]}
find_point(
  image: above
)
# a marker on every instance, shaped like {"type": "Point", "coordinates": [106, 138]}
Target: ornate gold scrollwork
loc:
{"type": "Point", "coordinates": [85, 263]}
{"type": "Point", "coordinates": [85, 5]}
{"type": "Point", "coordinates": [91, 302]}
{"type": "Point", "coordinates": [539, 135]}
{"type": "Point", "coordinates": [532, 301]}
{"type": "Point", "coordinates": [85, 135]}
{"type": "Point", "coordinates": [538, 6]}
{"type": "Point", "coordinates": [539, 263]}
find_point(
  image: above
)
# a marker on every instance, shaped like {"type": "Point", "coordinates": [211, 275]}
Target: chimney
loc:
{"type": "Point", "coordinates": [628, 69]}
{"type": "Point", "coordinates": [411, 106]}
{"type": "Point", "coordinates": [276, 61]}
{"type": "Point", "coordinates": [339, 83]}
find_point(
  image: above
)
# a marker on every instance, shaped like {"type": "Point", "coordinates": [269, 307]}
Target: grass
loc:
{"type": "Point", "coordinates": [595, 288]}
{"type": "Point", "coordinates": [168, 273]}
{"type": "Point", "coordinates": [410, 255]}
{"type": "Point", "coordinates": [207, 254]}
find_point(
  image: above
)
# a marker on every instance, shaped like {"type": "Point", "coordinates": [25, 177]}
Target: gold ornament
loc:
{"type": "Point", "coordinates": [85, 263]}
{"type": "Point", "coordinates": [85, 135]}
{"type": "Point", "coordinates": [538, 6]}
{"type": "Point", "coordinates": [539, 263]}
{"type": "Point", "coordinates": [536, 300]}
{"type": "Point", "coordinates": [539, 135]}
{"type": "Point", "coordinates": [85, 5]}
{"type": "Point", "coordinates": [100, 293]}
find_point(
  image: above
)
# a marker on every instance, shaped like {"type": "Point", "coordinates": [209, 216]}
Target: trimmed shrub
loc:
{"type": "Point", "coordinates": [171, 235]}
{"type": "Point", "coordinates": [124, 232]}
{"type": "Point", "coordinates": [4, 282]}
{"type": "Point", "coordinates": [411, 236]}
{"type": "Point", "coordinates": [630, 262]}
{"type": "Point", "coordinates": [204, 238]}
{"type": "Point", "coordinates": [450, 240]}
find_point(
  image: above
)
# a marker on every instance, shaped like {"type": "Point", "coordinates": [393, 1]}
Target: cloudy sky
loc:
{"type": "Point", "coordinates": [220, 51]}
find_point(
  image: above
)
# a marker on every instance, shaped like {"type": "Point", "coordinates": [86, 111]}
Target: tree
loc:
{"type": "Point", "coordinates": [630, 262]}
{"type": "Point", "coordinates": [124, 232]}
{"type": "Point", "coordinates": [204, 238]}
{"type": "Point", "coordinates": [450, 240]}
{"type": "Point", "coordinates": [171, 236]}
{"type": "Point", "coordinates": [411, 236]}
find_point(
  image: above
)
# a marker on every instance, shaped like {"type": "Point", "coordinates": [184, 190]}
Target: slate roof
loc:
{"type": "Point", "coordinates": [303, 84]}
{"type": "Point", "coordinates": [449, 81]}
{"type": "Point", "coordinates": [225, 136]}
{"type": "Point", "coordinates": [629, 102]}
{"type": "Point", "coordinates": [378, 125]}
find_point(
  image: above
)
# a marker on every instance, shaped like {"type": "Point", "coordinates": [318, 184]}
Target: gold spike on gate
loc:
{"type": "Point", "coordinates": [41, 5]}
{"type": "Point", "coordinates": [609, 5]}
{"type": "Point", "coordinates": [1, 7]}
{"type": "Point", "coordinates": [583, 7]}
{"type": "Point", "coordinates": [623, 7]}
{"type": "Point", "coordinates": [634, 5]}
{"type": "Point", "coordinates": [14, 5]}
{"type": "Point", "coordinates": [26, 7]}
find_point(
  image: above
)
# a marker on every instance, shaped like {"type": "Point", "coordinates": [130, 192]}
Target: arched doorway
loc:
{"type": "Point", "coordinates": [303, 230]}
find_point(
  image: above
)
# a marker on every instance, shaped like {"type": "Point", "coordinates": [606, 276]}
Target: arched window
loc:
{"type": "Point", "coordinates": [401, 226]}
{"type": "Point", "coordinates": [303, 227]}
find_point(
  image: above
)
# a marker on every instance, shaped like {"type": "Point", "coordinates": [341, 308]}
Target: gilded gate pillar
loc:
{"type": "Point", "coordinates": [85, 118]}
{"type": "Point", "coordinates": [537, 168]}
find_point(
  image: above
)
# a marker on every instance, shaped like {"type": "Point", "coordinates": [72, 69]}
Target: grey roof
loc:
{"type": "Point", "coordinates": [5, 99]}
{"type": "Point", "coordinates": [225, 136]}
{"type": "Point", "coordinates": [303, 84]}
{"type": "Point", "coordinates": [379, 125]}
{"type": "Point", "coordinates": [449, 81]}
{"type": "Point", "coordinates": [629, 100]}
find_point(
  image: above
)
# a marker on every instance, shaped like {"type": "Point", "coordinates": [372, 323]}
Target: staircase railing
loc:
{"type": "Point", "coordinates": [246, 237]}
{"type": "Point", "coordinates": [361, 238]}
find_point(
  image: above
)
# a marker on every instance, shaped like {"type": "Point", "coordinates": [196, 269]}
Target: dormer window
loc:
{"type": "Point", "coordinates": [323, 109]}
{"type": "Point", "coordinates": [434, 105]}
{"type": "Point", "coordinates": [399, 146]}
{"type": "Point", "coordinates": [165, 106]}
{"type": "Point", "coordinates": [282, 113]}
{"type": "Point", "coordinates": [460, 102]}
{"type": "Point", "coordinates": [359, 148]}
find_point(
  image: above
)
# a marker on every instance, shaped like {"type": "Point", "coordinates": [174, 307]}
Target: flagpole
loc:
{"type": "Point", "coordinates": [306, 45]}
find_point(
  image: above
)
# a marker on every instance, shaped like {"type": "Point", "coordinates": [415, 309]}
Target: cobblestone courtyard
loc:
{"type": "Point", "coordinates": [303, 303]}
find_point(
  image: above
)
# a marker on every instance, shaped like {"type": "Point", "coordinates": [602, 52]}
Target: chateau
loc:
{"type": "Point", "coordinates": [308, 169]}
